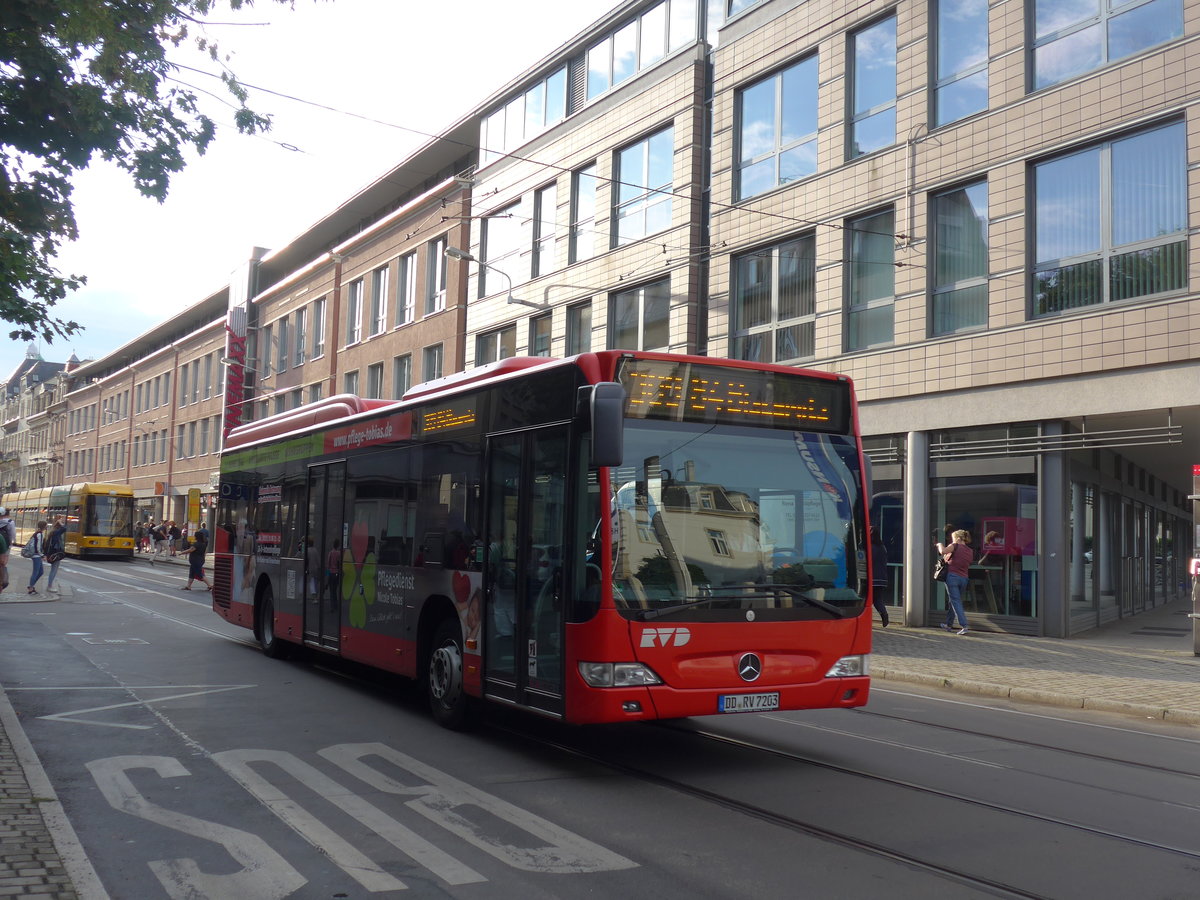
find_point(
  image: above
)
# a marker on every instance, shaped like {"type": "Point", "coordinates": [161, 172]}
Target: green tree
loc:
{"type": "Point", "coordinates": [81, 79]}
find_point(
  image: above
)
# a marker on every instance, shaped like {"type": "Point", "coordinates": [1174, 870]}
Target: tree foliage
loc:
{"type": "Point", "coordinates": [81, 79]}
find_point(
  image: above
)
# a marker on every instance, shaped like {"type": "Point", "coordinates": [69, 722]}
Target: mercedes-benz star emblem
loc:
{"type": "Point", "coordinates": [750, 667]}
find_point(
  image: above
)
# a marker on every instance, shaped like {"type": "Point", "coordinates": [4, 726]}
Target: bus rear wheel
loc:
{"type": "Point", "coordinates": [444, 683]}
{"type": "Point", "coordinates": [272, 646]}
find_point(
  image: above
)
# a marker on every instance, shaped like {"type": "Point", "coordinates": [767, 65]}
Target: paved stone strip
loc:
{"type": "Point", "coordinates": [40, 854]}
{"type": "Point", "coordinates": [29, 863]}
{"type": "Point", "coordinates": [1061, 674]}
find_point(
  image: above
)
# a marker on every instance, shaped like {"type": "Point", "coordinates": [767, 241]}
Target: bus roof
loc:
{"type": "Point", "coordinates": [338, 406]}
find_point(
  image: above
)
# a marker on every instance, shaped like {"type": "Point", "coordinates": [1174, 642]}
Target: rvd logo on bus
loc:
{"type": "Point", "coordinates": [665, 637]}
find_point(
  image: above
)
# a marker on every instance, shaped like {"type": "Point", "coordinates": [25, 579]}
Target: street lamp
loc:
{"type": "Point", "coordinates": [464, 256]}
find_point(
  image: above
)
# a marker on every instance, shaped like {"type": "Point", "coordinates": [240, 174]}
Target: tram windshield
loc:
{"type": "Point", "coordinates": [109, 516]}
{"type": "Point", "coordinates": [729, 523]}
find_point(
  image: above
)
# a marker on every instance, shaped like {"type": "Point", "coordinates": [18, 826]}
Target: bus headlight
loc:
{"type": "Point", "coordinates": [604, 675]}
{"type": "Point", "coordinates": [850, 667]}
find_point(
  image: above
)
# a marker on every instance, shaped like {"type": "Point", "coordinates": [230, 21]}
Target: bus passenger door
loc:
{"type": "Point", "coordinates": [523, 570]}
{"type": "Point", "coordinates": [324, 543]}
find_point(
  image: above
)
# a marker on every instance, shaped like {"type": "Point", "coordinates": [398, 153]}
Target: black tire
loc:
{"type": "Point", "coordinates": [272, 646]}
{"type": "Point", "coordinates": [448, 701]}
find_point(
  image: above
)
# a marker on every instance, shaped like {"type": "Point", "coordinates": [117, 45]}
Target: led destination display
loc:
{"type": "Point", "coordinates": [690, 392]}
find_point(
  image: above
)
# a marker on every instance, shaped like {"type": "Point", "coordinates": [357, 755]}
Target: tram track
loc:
{"type": "Point", "coordinates": [811, 829]}
{"type": "Point", "coordinates": [1021, 742]}
{"type": "Point", "coordinates": [842, 837]}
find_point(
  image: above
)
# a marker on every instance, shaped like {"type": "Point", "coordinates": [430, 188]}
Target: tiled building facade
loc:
{"type": "Point", "coordinates": [985, 214]}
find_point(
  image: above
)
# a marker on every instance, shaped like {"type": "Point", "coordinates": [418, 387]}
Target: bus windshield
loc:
{"type": "Point", "coordinates": [729, 523]}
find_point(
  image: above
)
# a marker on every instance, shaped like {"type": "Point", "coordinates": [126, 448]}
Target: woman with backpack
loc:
{"type": "Point", "coordinates": [55, 551]}
{"type": "Point", "coordinates": [33, 550]}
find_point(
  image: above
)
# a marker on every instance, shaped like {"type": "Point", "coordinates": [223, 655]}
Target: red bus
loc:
{"type": "Point", "coordinates": [619, 536]}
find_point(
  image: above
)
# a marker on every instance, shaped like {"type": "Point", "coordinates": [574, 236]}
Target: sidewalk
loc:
{"type": "Point", "coordinates": [1142, 666]}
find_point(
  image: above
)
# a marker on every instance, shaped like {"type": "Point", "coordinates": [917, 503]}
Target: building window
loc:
{"type": "Point", "coordinates": [872, 119]}
{"type": "Point", "coordinates": [1071, 37]}
{"type": "Point", "coordinates": [401, 375]}
{"type": "Point", "coordinates": [300, 326]}
{"type": "Point", "coordinates": [583, 213]}
{"type": "Point", "coordinates": [208, 375]}
{"type": "Point", "coordinates": [318, 328]}
{"type": "Point", "coordinates": [640, 43]}
{"type": "Point", "coordinates": [777, 133]}
{"type": "Point", "coordinates": [379, 288]}
{"type": "Point", "coordinates": [431, 362]}
{"type": "Point", "coordinates": [717, 542]}
{"type": "Point", "coordinates": [870, 281]}
{"type": "Point", "coordinates": [282, 344]}
{"type": "Point", "coordinates": [539, 335]}
{"type": "Point", "coordinates": [183, 387]}
{"type": "Point", "coordinates": [354, 312]}
{"type": "Point", "coordinates": [1111, 222]}
{"type": "Point", "coordinates": [961, 60]}
{"type": "Point", "coordinates": [579, 328]}
{"type": "Point", "coordinates": [204, 437]}
{"type": "Point", "coordinates": [262, 352]}
{"type": "Point", "coordinates": [545, 209]}
{"type": "Point", "coordinates": [406, 289]}
{"type": "Point", "coordinates": [375, 381]}
{"type": "Point", "coordinates": [774, 302]}
{"type": "Point", "coordinates": [640, 318]}
{"type": "Point", "coordinates": [525, 116]}
{"type": "Point", "coordinates": [314, 393]}
{"type": "Point", "coordinates": [502, 245]}
{"type": "Point", "coordinates": [960, 259]}
{"type": "Point", "coordinates": [435, 276]}
{"type": "Point", "coordinates": [645, 172]}
{"type": "Point", "coordinates": [350, 382]}
{"type": "Point", "coordinates": [496, 345]}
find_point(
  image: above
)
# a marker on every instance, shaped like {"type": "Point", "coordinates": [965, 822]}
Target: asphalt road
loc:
{"type": "Point", "coordinates": [192, 766]}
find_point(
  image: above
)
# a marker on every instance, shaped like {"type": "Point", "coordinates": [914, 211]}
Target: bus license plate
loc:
{"type": "Point", "coordinates": [738, 703]}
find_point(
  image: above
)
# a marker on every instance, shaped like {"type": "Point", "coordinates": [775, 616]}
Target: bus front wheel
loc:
{"type": "Point", "coordinates": [272, 646]}
{"type": "Point", "coordinates": [447, 699]}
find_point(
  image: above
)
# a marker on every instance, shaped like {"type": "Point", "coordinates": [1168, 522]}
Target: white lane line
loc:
{"type": "Point", "coordinates": [116, 596]}
{"type": "Point", "coordinates": [71, 715]}
{"type": "Point", "coordinates": [66, 841]}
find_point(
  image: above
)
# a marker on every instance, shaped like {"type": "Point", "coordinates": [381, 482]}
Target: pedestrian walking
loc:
{"type": "Point", "coordinates": [196, 559]}
{"type": "Point", "coordinates": [158, 541]}
{"type": "Point", "coordinates": [55, 551]}
{"type": "Point", "coordinates": [8, 534]}
{"type": "Point", "coordinates": [879, 575]}
{"type": "Point", "coordinates": [34, 551]}
{"type": "Point", "coordinates": [173, 535]}
{"type": "Point", "coordinates": [958, 557]}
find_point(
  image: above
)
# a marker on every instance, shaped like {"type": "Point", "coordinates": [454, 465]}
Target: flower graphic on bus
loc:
{"type": "Point", "coordinates": [359, 566]}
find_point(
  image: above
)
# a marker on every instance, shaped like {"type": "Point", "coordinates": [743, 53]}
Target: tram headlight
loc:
{"type": "Point", "coordinates": [850, 667]}
{"type": "Point", "coordinates": [605, 675]}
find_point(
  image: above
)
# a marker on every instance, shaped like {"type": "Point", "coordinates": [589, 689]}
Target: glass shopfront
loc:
{"type": "Point", "coordinates": [1001, 513]}
{"type": "Point", "coordinates": [1064, 541]}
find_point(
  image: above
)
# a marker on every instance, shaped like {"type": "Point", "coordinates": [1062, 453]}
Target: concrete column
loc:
{"type": "Point", "coordinates": [1052, 597]}
{"type": "Point", "coordinates": [917, 564]}
{"type": "Point", "coordinates": [1078, 532]}
{"type": "Point", "coordinates": [1103, 554]}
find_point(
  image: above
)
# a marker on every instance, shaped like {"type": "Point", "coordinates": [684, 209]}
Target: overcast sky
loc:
{"type": "Point", "coordinates": [387, 60]}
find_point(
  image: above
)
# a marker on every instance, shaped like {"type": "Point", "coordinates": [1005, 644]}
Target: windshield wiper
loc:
{"type": "Point", "coordinates": [735, 592]}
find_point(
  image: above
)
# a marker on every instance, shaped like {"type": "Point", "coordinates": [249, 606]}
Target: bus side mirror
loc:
{"type": "Point", "coordinates": [608, 424]}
